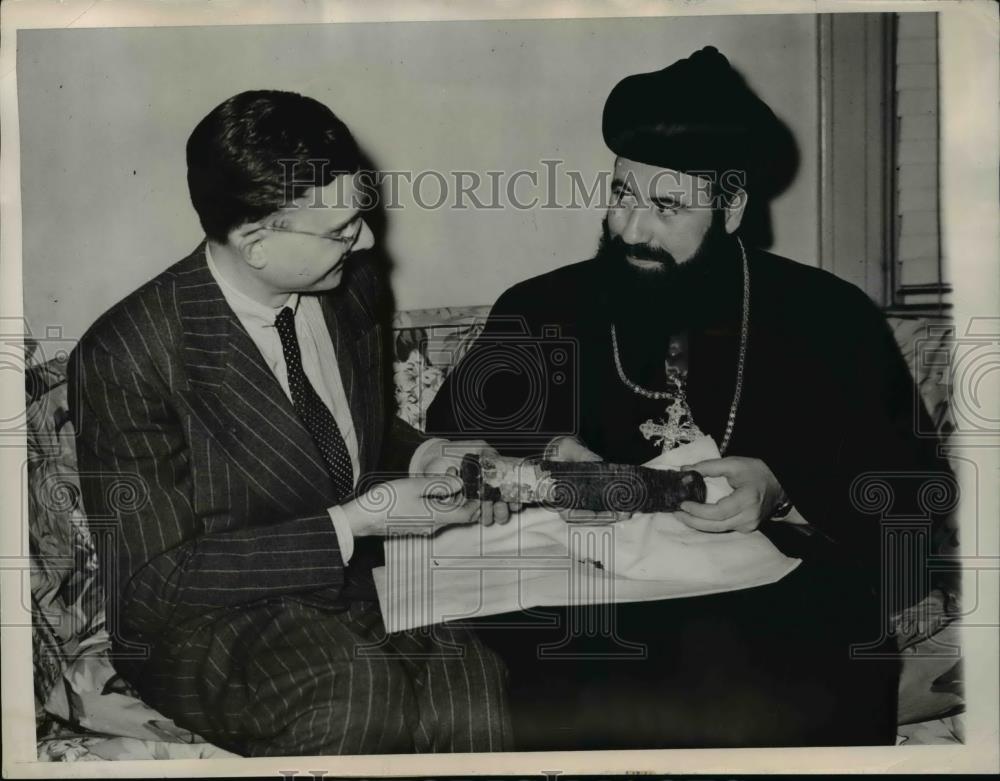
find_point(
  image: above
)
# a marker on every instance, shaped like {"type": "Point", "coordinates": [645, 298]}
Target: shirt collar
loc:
{"type": "Point", "coordinates": [246, 308]}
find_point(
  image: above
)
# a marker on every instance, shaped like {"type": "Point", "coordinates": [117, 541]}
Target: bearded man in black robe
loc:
{"type": "Point", "coordinates": [680, 327]}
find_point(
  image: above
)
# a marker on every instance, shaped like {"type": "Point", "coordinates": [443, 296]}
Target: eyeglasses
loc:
{"type": "Point", "coordinates": [339, 239]}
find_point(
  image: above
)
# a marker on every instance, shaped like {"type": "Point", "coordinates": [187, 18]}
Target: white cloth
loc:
{"type": "Point", "coordinates": [319, 362]}
{"type": "Point", "coordinates": [537, 559]}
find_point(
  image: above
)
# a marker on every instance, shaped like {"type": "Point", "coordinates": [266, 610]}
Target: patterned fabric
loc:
{"type": "Point", "coordinates": [80, 700]}
{"type": "Point", "coordinates": [919, 339]}
{"type": "Point", "coordinates": [314, 413]}
{"type": "Point", "coordinates": [931, 680]}
{"type": "Point", "coordinates": [428, 344]}
{"type": "Point", "coordinates": [93, 696]}
{"type": "Point", "coordinates": [76, 688]}
{"type": "Point", "coordinates": [95, 748]}
{"type": "Point", "coordinates": [67, 605]}
{"type": "Point", "coordinates": [937, 732]}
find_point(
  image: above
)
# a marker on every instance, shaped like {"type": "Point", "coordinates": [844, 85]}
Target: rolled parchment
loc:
{"type": "Point", "coordinates": [591, 485]}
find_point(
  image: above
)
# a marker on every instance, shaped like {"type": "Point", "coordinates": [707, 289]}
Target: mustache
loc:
{"type": "Point", "coordinates": [615, 247]}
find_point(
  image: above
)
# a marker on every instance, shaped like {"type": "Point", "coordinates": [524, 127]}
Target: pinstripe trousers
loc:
{"type": "Point", "coordinates": [291, 678]}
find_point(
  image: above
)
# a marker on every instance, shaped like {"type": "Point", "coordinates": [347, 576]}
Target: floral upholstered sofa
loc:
{"type": "Point", "coordinates": [85, 711]}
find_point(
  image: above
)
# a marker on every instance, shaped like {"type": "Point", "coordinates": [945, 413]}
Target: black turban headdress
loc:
{"type": "Point", "coordinates": [699, 114]}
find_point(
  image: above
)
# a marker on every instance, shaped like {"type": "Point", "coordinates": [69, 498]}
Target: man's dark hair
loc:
{"type": "Point", "coordinates": [258, 151]}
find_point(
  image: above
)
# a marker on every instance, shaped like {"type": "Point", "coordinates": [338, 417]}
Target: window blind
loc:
{"type": "Point", "coordinates": [918, 277]}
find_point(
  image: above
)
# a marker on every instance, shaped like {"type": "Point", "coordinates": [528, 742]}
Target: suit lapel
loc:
{"type": "Point", "coordinates": [236, 396]}
{"type": "Point", "coordinates": [355, 353]}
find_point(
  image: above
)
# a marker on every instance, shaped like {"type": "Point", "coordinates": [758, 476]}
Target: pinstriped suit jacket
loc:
{"type": "Point", "coordinates": [192, 458]}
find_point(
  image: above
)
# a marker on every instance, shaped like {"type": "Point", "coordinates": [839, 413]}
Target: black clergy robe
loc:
{"type": "Point", "coordinates": [827, 402]}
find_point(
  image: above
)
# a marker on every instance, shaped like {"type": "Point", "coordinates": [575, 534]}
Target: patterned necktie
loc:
{"type": "Point", "coordinates": [312, 411]}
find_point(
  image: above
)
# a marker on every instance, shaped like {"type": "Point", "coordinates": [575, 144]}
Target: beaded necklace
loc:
{"type": "Point", "coordinates": [679, 426]}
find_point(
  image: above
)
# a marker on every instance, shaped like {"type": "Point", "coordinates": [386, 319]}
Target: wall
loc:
{"type": "Point", "coordinates": [105, 114]}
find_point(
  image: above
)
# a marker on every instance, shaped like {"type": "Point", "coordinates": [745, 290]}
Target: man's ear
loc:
{"type": "Point", "coordinates": [247, 239]}
{"type": "Point", "coordinates": [736, 206]}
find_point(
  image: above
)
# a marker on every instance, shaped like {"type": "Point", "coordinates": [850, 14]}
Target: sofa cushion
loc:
{"type": "Point", "coordinates": [67, 607]}
{"type": "Point", "coordinates": [922, 340]}
{"type": "Point", "coordinates": [428, 344]}
{"type": "Point", "coordinates": [76, 688]}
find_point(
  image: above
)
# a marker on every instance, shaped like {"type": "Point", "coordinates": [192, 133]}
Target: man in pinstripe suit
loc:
{"type": "Point", "coordinates": [232, 416]}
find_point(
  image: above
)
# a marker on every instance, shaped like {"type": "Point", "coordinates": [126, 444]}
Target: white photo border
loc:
{"type": "Point", "coordinates": [971, 224]}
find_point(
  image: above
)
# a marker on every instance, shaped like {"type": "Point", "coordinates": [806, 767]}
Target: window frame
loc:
{"type": "Point", "coordinates": [858, 225]}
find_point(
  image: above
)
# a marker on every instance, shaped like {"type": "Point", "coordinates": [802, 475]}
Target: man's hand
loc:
{"type": "Point", "coordinates": [755, 496]}
{"type": "Point", "coordinates": [572, 449]}
{"type": "Point", "coordinates": [447, 460]}
{"type": "Point", "coordinates": [411, 505]}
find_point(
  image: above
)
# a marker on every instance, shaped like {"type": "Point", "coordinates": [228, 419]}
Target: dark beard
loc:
{"type": "Point", "coordinates": [673, 296]}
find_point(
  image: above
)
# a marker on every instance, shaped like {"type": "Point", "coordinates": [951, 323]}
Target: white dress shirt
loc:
{"type": "Point", "coordinates": [319, 362]}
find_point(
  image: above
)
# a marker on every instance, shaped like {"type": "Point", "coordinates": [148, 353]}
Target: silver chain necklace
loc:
{"type": "Point", "coordinates": [744, 338]}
